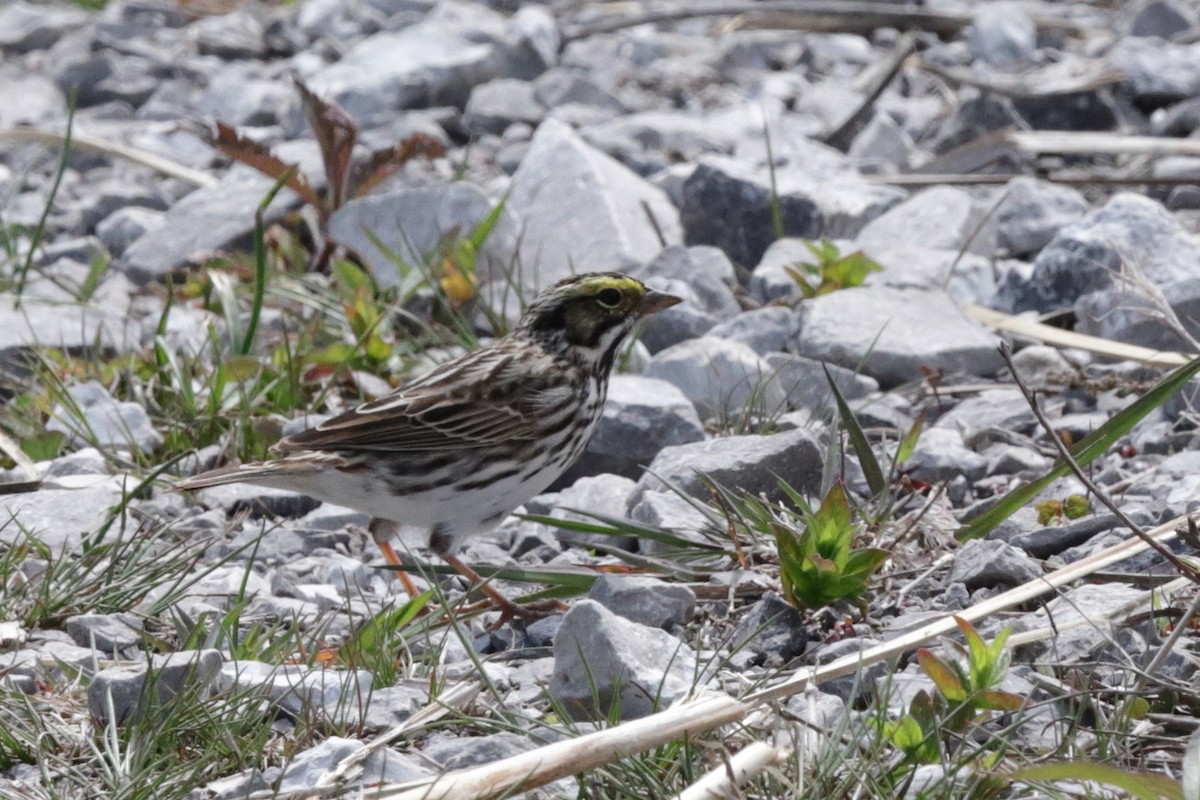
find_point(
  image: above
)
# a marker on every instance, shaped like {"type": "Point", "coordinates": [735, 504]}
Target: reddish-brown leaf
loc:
{"type": "Point", "coordinates": [336, 134]}
{"type": "Point", "coordinates": [249, 152]}
{"type": "Point", "coordinates": [382, 164]}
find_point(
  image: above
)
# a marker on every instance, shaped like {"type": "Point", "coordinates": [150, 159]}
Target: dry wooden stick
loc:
{"type": "Point", "coordinates": [723, 782]}
{"type": "Point", "coordinates": [1022, 326]}
{"type": "Point", "coordinates": [546, 764]}
{"type": "Point", "coordinates": [104, 147]}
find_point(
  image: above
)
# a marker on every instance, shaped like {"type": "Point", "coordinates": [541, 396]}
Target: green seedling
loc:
{"type": "Point", "coordinates": [818, 565]}
{"type": "Point", "coordinates": [831, 271]}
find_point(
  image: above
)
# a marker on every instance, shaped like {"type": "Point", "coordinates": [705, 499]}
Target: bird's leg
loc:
{"type": "Point", "coordinates": [508, 609]}
{"type": "Point", "coordinates": [382, 531]}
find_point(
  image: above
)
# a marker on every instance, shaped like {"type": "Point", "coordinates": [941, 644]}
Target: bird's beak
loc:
{"type": "Point", "coordinates": [653, 302]}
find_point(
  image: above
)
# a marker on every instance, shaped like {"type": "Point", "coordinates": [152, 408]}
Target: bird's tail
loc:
{"type": "Point", "coordinates": [262, 473]}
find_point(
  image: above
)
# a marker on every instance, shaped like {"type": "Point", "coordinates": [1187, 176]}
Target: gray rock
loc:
{"type": "Point", "coordinates": [752, 464]}
{"type": "Point", "coordinates": [1002, 34]}
{"type": "Point", "coordinates": [58, 518]}
{"type": "Point", "coordinates": [309, 766]}
{"type": "Point", "coordinates": [434, 62]}
{"type": "Point", "coordinates": [645, 600]}
{"type": "Point", "coordinates": [996, 409]}
{"type": "Point", "coordinates": [1080, 268]}
{"type": "Point", "coordinates": [78, 329]}
{"type": "Point", "coordinates": [806, 386]}
{"type": "Point", "coordinates": [669, 510]}
{"type": "Point", "coordinates": [1009, 459]}
{"type": "Point", "coordinates": [392, 705]}
{"type": "Point", "coordinates": [298, 690]}
{"type": "Point", "coordinates": [721, 378]}
{"type": "Point", "coordinates": [940, 455]}
{"type": "Point", "coordinates": [495, 105]}
{"type": "Point", "coordinates": [727, 203]}
{"type": "Point", "coordinates": [604, 494]}
{"type": "Point", "coordinates": [85, 461]}
{"type": "Point", "coordinates": [1041, 366]}
{"type": "Point", "coordinates": [582, 210]}
{"type": "Point", "coordinates": [1043, 542]}
{"type": "Point", "coordinates": [1157, 72]}
{"type": "Point", "coordinates": [641, 417]}
{"type": "Point", "coordinates": [459, 752]}
{"type": "Point", "coordinates": [882, 145]}
{"type": "Point", "coordinates": [1031, 212]}
{"type": "Point", "coordinates": [215, 218]}
{"type": "Point", "coordinates": [120, 693]}
{"type": "Point", "coordinates": [603, 662]}
{"type": "Point", "coordinates": [767, 331]}
{"type": "Point", "coordinates": [98, 419]}
{"type": "Point", "coordinates": [110, 633]}
{"type": "Point", "coordinates": [985, 563]}
{"type": "Point", "coordinates": [1097, 606]}
{"type": "Point", "coordinates": [33, 100]}
{"type": "Point", "coordinates": [966, 277]}
{"type": "Point", "coordinates": [27, 26]}
{"type": "Point", "coordinates": [231, 36]}
{"type": "Point", "coordinates": [941, 217]}
{"type": "Point", "coordinates": [1161, 18]}
{"type": "Point", "coordinates": [54, 661]}
{"type": "Point", "coordinates": [560, 86]}
{"type": "Point", "coordinates": [890, 334]}
{"type": "Point", "coordinates": [772, 633]}
{"type": "Point", "coordinates": [125, 226]}
{"type": "Point", "coordinates": [649, 141]}
{"type": "Point", "coordinates": [977, 114]}
{"type": "Point", "coordinates": [245, 97]}
{"type": "Point", "coordinates": [411, 222]}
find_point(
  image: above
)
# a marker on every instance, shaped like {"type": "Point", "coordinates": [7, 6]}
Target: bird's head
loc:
{"type": "Point", "coordinates": [590, 315]}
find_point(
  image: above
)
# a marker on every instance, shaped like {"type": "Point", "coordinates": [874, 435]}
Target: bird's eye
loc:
{"type": "Point", "coordinates": [609, 298]}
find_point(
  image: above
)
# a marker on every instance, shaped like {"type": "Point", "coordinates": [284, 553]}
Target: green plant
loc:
{"type": "Point", "coordinates": [969, 689]}
{"type": "Point", "coordinates": [1071, 507]}
{"type": "Point", "coordinates": [831, 271]}
{"type": "Point", "coordinates": [818, 565]}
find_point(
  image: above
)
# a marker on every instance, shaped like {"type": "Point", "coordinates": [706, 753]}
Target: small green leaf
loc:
{"type": "Point", "coordinates": [45, 445]}
{"type": "Point", "coordinates": [942, 675]}
{"type": "Point", "coordinates": [908, 443]}
{"type": "Point", "coordinates": [1076, 506]}
{"type": "Point", "coordinates": [862, 448]}
{"type": "Point", "coordinates": [1000, 701]}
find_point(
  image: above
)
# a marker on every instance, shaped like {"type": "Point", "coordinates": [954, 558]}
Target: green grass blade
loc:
{"type": "Point", "coordinates": [260, 260]}
{"type": "Point", "coordinates": [615, 526]}
{"type": "Point", "coordinates": [862, 448]}
{"type": "Point", "coordinates": [1084, 451]}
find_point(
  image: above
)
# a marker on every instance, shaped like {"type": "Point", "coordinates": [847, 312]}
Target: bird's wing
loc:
{"type": "Point", "coordinates": [466, 403]}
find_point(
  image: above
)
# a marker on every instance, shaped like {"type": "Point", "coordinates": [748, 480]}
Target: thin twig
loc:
{"type": "Point", "coordinates": [844, 134]}
{"type": "Point", "coordinates": [844, 16]}
{"type": "Point", "coordinates": [1064, 453]}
